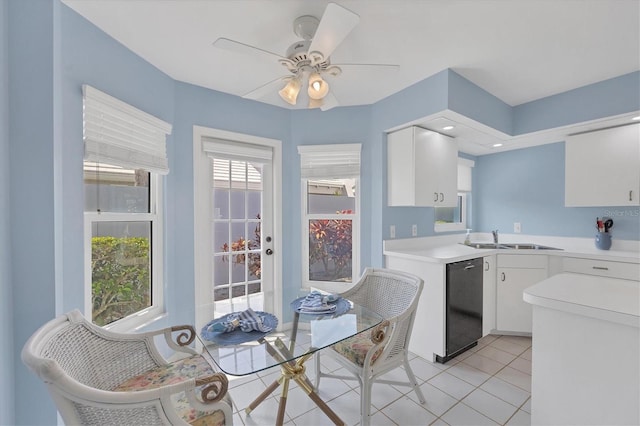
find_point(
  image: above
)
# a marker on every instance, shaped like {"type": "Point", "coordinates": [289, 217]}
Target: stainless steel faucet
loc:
{"type": "Point", "coordinates": [495, 236]}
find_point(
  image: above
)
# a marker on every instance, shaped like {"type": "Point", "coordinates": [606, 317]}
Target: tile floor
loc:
{"type": "Point", "coordinates": [487, 385]}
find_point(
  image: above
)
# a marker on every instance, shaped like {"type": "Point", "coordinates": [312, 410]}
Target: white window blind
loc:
{"type": "Point", "coordinates": [116, 133]}
{"type": "Point", "coordinates": [237, 151]}
{"type": "Point", "coordinates": [464, 174]}
{"type": "Point", "coordinates": [329, 161]}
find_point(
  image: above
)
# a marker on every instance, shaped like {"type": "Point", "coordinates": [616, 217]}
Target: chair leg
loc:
{"type": "Point", "coordinates": [365, 400]}
{"type": "Point", "coordinates": [412, 380]}
{"type": "Point", "coordinates": [316, 361]}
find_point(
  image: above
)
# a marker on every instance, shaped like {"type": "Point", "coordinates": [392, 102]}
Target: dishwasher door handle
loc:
{"type": "Point", "coordinates": [469, 267]}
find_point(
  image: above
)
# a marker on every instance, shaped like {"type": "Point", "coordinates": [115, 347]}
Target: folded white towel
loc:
{"type": "Point", "coordinates": [316, 302]}
{"type": "Point", "coordinates": [247, 321]}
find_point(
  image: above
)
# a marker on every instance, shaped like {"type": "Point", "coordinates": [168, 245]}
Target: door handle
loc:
{"type": "Point", "coordinates": [269, 252]}
{"type": "Point", "coordinates": [503, 277]}
{"type": "Point", "coordinates": [435, 196]}
{"type": "Point", "coordinates": [487, 266]}
{"type": "Point", "coordinates": [441, 197]}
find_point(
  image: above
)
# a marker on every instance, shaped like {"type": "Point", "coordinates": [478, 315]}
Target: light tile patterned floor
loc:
{"type": "Point", "coordinates": [487, 385]}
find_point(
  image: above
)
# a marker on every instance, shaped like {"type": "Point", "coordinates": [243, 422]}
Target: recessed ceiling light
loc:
{"type": "Point", "coordinates": [496, 145]}
{"type": "Point", "coordinates": [447, 127]}
{"type": "Point", "coordinates": [636, 118]}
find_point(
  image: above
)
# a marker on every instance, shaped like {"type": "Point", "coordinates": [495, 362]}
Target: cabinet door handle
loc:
{"type": "Point", "coordinates": [503, 277]}
{"type": "Point", "coordinates": [441, 197]}
{"type": "Point", "coordinates": [630, 195]}
{"type": "Point", "coordinates": [486, 266]}
{"type": "Point", "coordinates": [435, 196]}
{"type": "Point", "coordinates": [600, 268]}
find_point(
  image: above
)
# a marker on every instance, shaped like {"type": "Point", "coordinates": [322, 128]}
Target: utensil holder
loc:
{"type": "Point", "coordinates": [603, 240]}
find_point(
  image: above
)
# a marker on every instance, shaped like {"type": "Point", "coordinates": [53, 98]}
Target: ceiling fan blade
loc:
{"type": "Point", "coordinates": [265, 89]}
{"type": "Point", "coordinates": [368, 67]}
{"type": "Point", "coordinates": [245, 49]}
{"type": "Point", "coordinates": [329, 102]}
{"type": "Point", "coordinates": [336, 23]}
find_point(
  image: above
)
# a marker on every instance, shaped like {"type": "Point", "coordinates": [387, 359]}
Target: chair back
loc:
{"type": "Point", "coordinates": [72, 346]}
{"type": "Point", "coordinates": [394, 295]}
{"type": "Point", "coordinates": [78, 362]}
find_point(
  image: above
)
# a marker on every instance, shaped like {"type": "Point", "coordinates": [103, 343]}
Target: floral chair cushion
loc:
{"type": "Point", "coordinates": [175, 373]}
{"type": "Point", "coordinates": [356, 348]}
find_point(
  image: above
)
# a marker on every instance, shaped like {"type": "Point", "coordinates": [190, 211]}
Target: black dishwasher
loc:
{"type": "Point", "coordinates": [463, 307]}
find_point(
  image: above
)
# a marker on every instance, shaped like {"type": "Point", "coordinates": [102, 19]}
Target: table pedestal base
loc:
{"type": "Point", "coordinates": [292, 371]}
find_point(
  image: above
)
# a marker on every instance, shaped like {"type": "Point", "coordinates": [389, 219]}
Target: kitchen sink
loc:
{"type": "Point", "coordinates": [485, 245]}
{"type": "Point", "coordinates": [511, 246]}
{"type": "Point", "coordinates": [527, 246]}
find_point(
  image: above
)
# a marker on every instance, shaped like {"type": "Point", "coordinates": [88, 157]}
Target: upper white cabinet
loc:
{"type": "Point", "coordinates": [602, 168]}
{"type": "Point", "coordinates": [422, 168]}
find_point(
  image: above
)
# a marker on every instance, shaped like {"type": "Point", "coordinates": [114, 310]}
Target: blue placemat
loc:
{"type": "Point", "coordinates": [238, 336]}
{"type": "Point", "coordinates": [342, 306]}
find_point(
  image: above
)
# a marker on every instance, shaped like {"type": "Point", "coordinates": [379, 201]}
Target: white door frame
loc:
{"type": "Point", "coordinates": [202, 262]}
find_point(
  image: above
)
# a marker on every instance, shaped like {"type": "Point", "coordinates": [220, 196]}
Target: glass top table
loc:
{"type": "Point", "coordinates": [290, 350]}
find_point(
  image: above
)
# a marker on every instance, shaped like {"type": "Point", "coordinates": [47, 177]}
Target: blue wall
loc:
{"type": "Point", "coordinates": [52, 51]}
{"type": "Point", "coordinates": [6, 297]}
{"type": "Point", "coordinates": [527, 186]}
{"type": "Point", "coordinates": [32, 202]}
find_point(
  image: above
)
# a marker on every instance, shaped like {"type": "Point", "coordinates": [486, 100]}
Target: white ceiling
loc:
{"type": "Point", "coordinates": [518, 50]}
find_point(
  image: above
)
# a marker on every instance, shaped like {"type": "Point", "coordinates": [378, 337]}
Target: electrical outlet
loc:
{"type": "Point", "coordinates": [392, 231]}
{"type": "Point", "coordinates": [414, 230]}
{"type": "Point", "coordinates": [516, 227]}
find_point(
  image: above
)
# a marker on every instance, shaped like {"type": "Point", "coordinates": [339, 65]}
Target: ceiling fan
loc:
{"type": "Point", "coordinates": [308, 60]}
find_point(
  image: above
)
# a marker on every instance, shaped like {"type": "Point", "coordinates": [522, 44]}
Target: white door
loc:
{"type": "Point", "coordinates": [236, 247]}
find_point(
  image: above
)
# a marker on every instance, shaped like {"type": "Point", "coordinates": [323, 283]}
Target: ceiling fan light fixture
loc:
{"type": "Point", "coordinates": [290, 92]}
{"type": "Point", "coordinates": [318, 88]}
{"type": "Point", "coordinates": [315, 103]}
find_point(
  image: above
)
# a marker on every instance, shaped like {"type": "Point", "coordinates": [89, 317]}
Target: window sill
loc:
{"type": "Point", "coordinates": [447, 227]}
{"type": "Point", "coordinates": [137, 322]}
{"type": "Point", "coordinates": [330, 287]}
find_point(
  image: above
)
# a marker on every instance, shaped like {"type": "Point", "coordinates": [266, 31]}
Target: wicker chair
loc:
{"type": "Point", "coordinates": [99, 377]}
{"type": "Point", "coordinates": [394, 295]}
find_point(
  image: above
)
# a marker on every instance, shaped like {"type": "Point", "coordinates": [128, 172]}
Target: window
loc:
{"type": "Point", "coordinates": [455, 218]}
{"type": "Point", "coordinates": [125, 232]}
{"type": "Point", "coordinates": [452, 218]}
{"type": "Point", "coordinates": [124, 160]}
{"type": "Point", "coordinates": [331, 213]}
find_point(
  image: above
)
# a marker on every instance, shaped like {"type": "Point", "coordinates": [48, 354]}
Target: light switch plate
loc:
{"type": "Point", "coordinates": [392, 231]}
{"type": "Point", "coordinates": [414, 230]}
{"type": "Point", "coordinates": [517, 228]}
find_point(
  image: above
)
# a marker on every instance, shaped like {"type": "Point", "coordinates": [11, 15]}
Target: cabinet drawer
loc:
{"type": "Point", "coordinates": [603, 268]}
{"type": "Point", "coordinates": [522, 261]}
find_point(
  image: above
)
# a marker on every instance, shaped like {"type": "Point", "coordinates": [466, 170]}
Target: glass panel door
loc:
{"type": "Point", "coordinates": [241, 269]}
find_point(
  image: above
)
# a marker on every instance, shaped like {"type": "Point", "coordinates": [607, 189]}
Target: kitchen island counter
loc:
{"type": "Point", "coordinates": [585, 352]}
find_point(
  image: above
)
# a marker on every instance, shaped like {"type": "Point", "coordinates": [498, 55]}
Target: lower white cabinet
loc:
{"type": "Point", "coordinates": [489, 294]}
{"type": "Point", "coordinates": [602, 268]}
{"type": "Point", "coordinates": [514, 274]}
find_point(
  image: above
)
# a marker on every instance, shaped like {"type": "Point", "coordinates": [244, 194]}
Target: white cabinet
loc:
{"type": "Point", "coordinates": [489, 294]}
{"type": "Point", "coordinates": [515, 273]}
{"type": "Point", "coordinates": [428, 335]}
{"type": "Point", "coordinates": [602, 168]}
{"type": "Point", "coordinates": [422, 168]}
{"type": "Point", "coordinates": [602, 268]}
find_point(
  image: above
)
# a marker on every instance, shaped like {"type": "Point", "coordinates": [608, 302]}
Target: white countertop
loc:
{"type": "Point", "coordinates": [446, 250]}
{"type": "Point", "coordinates": [608, 299]}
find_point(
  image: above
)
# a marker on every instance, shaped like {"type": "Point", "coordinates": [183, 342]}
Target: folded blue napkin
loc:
{"type": "Point", "coordinates": [318, 302]}
{"type": "Point", "coordinates": [246, 320]}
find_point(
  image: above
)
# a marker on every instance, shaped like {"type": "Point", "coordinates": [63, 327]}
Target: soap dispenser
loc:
{"type": "Point", "coordinates": [467, 238]}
